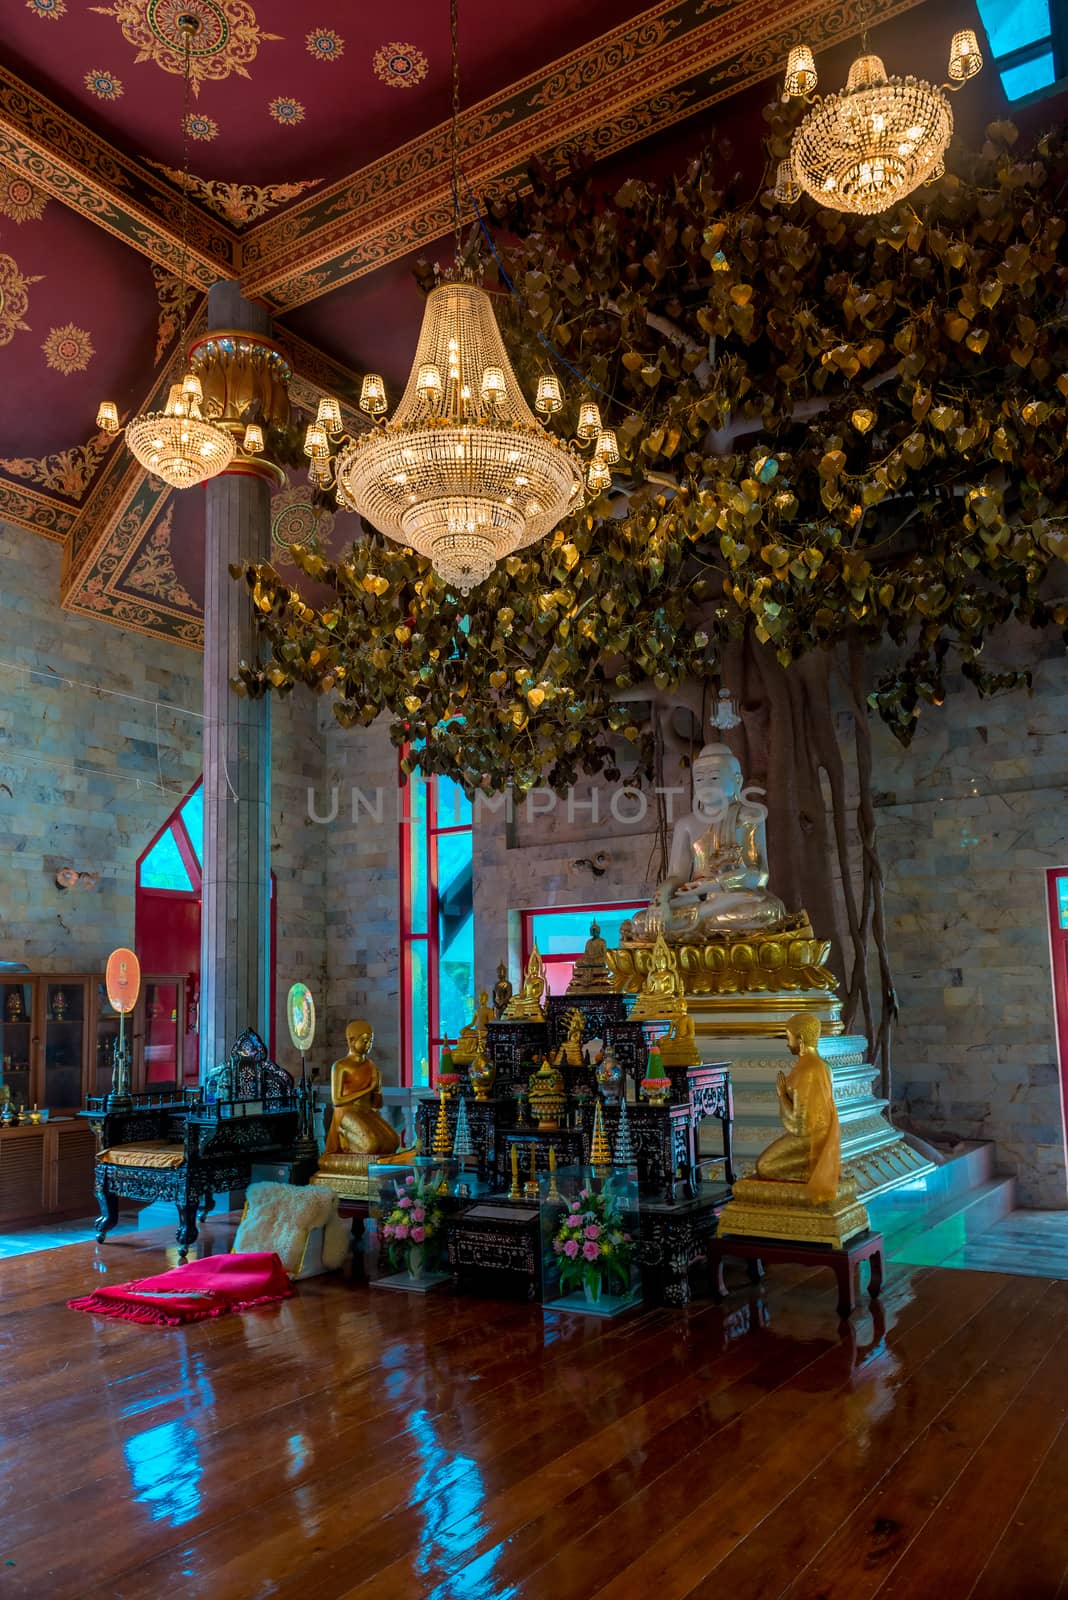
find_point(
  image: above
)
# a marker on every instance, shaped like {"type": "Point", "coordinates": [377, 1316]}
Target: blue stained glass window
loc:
{"type": "Point", "coordinates": [1019, 34]}
{"type": "Point", "coordinates": [163, 867]}
{"type": "Point", "coordinates": [1010, 24]}
{"type": "Point", "coordinates": [193, 816]}
{"type": "Point", "coordinates": [1028, 77]}
{"type": "Point", "coordinates": [1062, 902]}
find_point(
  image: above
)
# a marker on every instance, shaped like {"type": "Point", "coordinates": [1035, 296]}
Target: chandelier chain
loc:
{"type": "Point", "coordinates": [454, 45]}
{"type": "Point", "coordinates": [189, 27]}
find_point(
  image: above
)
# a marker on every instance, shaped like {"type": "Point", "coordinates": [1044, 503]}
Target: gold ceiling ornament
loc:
{"type": "Point", "coordinates": [245, 391]}
{"type": "Point", "coordinates": [879, 138]}
{"type": "Point", "coordinates": [178, 444]}
{"type": "Point", "coordinates": [463, 472]}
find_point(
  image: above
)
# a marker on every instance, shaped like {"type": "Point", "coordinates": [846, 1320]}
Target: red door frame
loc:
{"type": "Point", "coordinates": [1058, 949]}
{"type": "Point", "coordinates": [526, 939]}
{"type": "Point", "coordinates": [431, 939]}
{"type": "Point", "coordinates": [144, 899]}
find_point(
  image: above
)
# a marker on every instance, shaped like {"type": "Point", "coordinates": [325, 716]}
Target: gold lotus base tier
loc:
{"type": "Point", "coordinates": [788, 959]}
{"type": "Point", "coordinates": [759, 1209]}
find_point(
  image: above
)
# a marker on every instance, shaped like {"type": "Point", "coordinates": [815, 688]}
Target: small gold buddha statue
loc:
{"type": "Point", "coordinates": [502, 991]}
{"type": "Point", "coordinates": [528, 1004]}
{"type": "Point", "coordinates": [797, 1191]}
{"type": "Point", "coordinates": [717, 878]}
{"type": "Point", "coordinates": [473, 1036]}
{"type": "Point", "coordinates": [592, 973]}
{"type": "Point", "coordinates": [678, 1047]}
{"type": "Point", "coordinates": [358, 1133]}
{"type": "Point", "coordinates": [570, 1052]}
{"type": "Point", "coordinates": [661, 996]}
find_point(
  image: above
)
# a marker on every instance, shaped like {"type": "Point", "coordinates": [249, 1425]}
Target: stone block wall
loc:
{"type": "Point", "coordinates": [100, 737]}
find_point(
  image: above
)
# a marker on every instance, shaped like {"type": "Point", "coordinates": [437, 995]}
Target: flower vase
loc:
{"type": "Point", "coordinates": [416, 1254]}
{"type": "Point", "coordinates": [591, 1287]}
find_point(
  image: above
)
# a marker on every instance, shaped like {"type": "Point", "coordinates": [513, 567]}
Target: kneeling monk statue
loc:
{"type": "Point", "coordinates": [798, 1191]}
{"type": "Point", "coordinates": [357, 1126]}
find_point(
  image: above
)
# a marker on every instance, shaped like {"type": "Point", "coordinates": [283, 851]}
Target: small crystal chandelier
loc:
{"type": "Point", "coordinates": [463, 472]}
{"type": "Point", "coordinates": [177, 444]}
{"type": "Point", "coordinates": [879, 138]}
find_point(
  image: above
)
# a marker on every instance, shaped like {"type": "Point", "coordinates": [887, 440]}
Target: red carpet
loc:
{"type": "Point", "coordinates": [200, 1289]}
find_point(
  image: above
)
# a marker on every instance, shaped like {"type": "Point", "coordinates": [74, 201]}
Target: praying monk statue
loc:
{"type": "Point", "coordinates": [809, 1152]}
{"type": "Point", "coordinates": [717, 878]}
{"type": "Point", "coordinates": [357, 1127]}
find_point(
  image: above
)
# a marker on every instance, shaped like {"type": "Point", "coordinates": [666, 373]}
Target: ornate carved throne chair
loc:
{"type": "Point", "coordinates": [186, 1146]}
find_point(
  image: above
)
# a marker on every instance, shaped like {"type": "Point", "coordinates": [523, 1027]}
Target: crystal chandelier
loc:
{"type": "Point", "coordinates": [463, 472]}
{"type": "Point", "coordinates": [178, 444]}
{"type": "Point", "coordinates": [879, 138]}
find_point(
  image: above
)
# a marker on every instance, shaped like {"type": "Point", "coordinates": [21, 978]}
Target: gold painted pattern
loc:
{"type": "Point", "coordinates": [14, 298]}
{"type": "Point", "coordinates": [228, 41]}
{"type": "Point", "coordinates": [66, 472]}
{"type": "Point", "coordinates": [239, 203]}
{"type": "Point", "coordinates": [153, 572]}
{"type": "Point", "coordinates": [68, 349]}
{"type": "Point", "coordinates": [19, 199]}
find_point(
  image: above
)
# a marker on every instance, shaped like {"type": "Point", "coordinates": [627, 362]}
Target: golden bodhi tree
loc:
{"type": "Point", "coordinates": [842, 441]}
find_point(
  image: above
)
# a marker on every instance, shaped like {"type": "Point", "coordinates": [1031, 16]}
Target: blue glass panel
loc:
{"type": "Point", "coordinates": [1028, 77]}
{"type": "Point", "coordinates": [419, 1014]}
{"type": "Point", "coordinates": [453, 807]}
{"type": "Point", "coordinates": [456, 933]}
{"type": "Point", "coordinates": [417, 835]}
{"type": "Point", "coordinates": [1011, 24]}
{"type": "Point", "coordinates": [163, 867]}
{"type": "Point", "coordinates": [1062, 901]}
{"type": "Point", "coordinates": [193, 817]}
{"type": "Point", "coordinates": [565, 932]}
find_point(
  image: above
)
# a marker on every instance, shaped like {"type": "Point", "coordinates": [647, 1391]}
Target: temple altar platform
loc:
{"type": "Point", "coordinates": [874, 1152]}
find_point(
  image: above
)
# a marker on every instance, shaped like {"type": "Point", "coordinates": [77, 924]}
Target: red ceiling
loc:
{"type": "Point", "coordinates": [350, 113]}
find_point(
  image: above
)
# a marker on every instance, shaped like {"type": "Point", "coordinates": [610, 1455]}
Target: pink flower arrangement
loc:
{"type": "Point", "coordinates": [591, 1247]}
{"type": "Point", "coordinates": [416, 1221]}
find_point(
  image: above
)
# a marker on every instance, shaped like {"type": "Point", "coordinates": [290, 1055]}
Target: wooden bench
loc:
{"type": "Point", "coordinates": [844, 1263]}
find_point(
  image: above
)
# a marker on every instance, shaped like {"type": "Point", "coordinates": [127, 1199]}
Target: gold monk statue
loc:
{"type": "Point", "coordinates": [717, 878]}
{"type": "Point", "coordinates": [526, 1006]}
{"type": "Point", "coordinates": [357, 1127]}
{"type": "Point", "coordinates": [809, 1153]}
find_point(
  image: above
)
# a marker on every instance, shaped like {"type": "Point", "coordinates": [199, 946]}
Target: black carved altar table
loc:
{"type": "Point", "coordinates": [486, 1120]}
{"type": "Point", "coordinates": [665, 1138]}
{"type": "Point", "coordinates": [495, 1248]}
{"type": "Point", "coordinates": [673, 1237]}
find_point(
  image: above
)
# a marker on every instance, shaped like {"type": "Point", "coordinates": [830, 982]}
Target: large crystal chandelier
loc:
{"type": "Point", "coordinates": [178, 444]}
{"type": "Point", "coordinates": [879, 138]}
{"type": "Point", "coordinates": [463, 472]}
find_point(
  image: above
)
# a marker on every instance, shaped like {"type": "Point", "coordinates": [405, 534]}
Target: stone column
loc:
{"type": "Point", "coordinates": [236, 907]}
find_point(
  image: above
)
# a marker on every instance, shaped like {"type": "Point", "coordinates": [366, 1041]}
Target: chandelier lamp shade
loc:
{"type": "Point", "coordinates": [179, 444]}
{"type": "Point", "coordinates": [878, 139]}
{"type": "Point", "coordinates": [463, 472]}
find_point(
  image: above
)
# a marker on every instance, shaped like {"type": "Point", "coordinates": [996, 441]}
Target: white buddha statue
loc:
{"type": "Point", "coordinates": [717, 878]}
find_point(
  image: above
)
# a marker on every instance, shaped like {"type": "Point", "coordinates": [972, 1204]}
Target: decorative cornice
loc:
{"type": "Point", "coordinates": [671, 62]}
{"type": "Point", "coordinates": [119, 194]}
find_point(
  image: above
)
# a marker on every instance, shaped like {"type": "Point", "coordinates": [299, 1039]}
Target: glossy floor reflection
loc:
{"type": "Point", "coordinates": [350, 1443]}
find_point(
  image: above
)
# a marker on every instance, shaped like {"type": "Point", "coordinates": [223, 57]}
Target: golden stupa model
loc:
{"type": "Point", "coordinates": [798, 1191]}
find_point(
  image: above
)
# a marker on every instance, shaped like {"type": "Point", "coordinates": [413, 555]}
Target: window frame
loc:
{"type": "Point", "coordinates": [526, 927]}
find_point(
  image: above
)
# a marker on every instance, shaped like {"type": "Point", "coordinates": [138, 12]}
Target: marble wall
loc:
{"type": "Point", "coordinates": [100, 736]}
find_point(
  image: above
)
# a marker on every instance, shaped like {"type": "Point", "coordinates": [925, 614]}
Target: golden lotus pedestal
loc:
{"type": "Point", "coordinates": [740, 990]}
{"type": "Point", "coordinates": [760, 1209]}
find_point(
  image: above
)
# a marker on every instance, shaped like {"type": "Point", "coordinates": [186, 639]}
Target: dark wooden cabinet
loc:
{"type": "Point", "coordinates": [46, 1170]}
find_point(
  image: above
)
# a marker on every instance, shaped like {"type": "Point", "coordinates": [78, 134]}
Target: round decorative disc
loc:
{"type": "Point", "coordinates": [300, 1014]}
{"type": "Point", "coordinates": [122, 979]}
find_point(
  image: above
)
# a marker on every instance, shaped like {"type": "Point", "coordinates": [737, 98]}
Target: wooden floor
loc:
{"type": "Point", "coordinates": [358, 1443]}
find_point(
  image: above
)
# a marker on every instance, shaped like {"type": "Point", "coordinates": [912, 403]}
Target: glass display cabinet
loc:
{"type": "Point", "coordinates": [589, 1240]}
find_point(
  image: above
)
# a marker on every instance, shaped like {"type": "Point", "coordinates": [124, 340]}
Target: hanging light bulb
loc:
{"type": "Point", "coordinates": [428, 383]}
{"type": "Point", "coordinates": [492, 388]}
{"type": "Point", "coordinates": [549, 398]}
{"type": "Point", "coordinates": [965, 57]}
{"type": "Point", "coordinates": [373, 395]}
{"type": "Point", "coordinates": [177, 444]}
{"type": "Point", "coordinates": [589, 422]}
{"type": "Point", "coordinates": [315, 441]}
{"type": "Point", "coordinates": [252, 443]}
{"type": "Point", "coordinates": [607, 446]}
{"type": "Point", "coordinates": [107, 416]}
{"type": "Point", "coordinates": [598, 476]}
{"type": "Point", "coordinates": [787, 188]}
{"type": "Point", "coordinates": [328, 415]}
{"type": "Point", "coordinates": [801, 74]}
